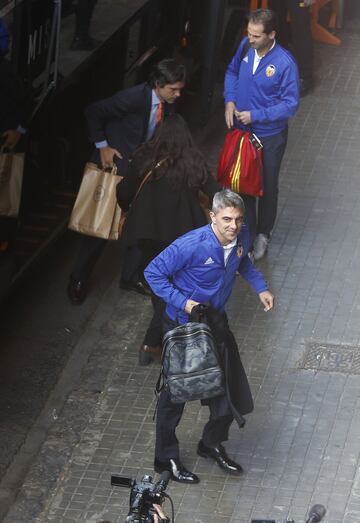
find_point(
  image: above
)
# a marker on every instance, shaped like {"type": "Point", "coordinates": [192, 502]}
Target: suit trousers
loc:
{"type": "Point", "coordinates": [90, 250]}
{"type": "Point", "coordinates": [260, 215]}
{"type": "Point", "coordinates": [83, 12]}
{"type": "Point", "coordinates": [153, 336]}
{"type": "Point", "coordinates": [215, 431]}
{"type": "Point", "coordinates": [301, 38]}
{"type": "Point", "coordinates": [169, 414]}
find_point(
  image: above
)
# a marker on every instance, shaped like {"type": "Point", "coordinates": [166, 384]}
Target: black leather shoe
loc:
{"type": "Point", "coordinates": [77, 292]}
{"type": "Point", "coordinates": [178, 471]}
{"type": "Point", "coordinates": [149, 353]}
{"type": "Point", "coordinates": [222, 459]}
{"type": "Point", "coordinates": [136, 286]}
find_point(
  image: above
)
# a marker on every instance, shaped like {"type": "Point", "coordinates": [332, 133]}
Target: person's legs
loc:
{"type": "Point", "coordinates": [302, 42]}
{"type": "Point", "coordinates": [132, 262]}
{"type": "Point", "coordinates": [8, 231]}
{"type": "Point", "coordinates": [168, 416]}
{"type": "Point", "coordinates": [273, 152]}
{"type": "Point", "coordinates": [250, 216]}
{"type": "Point", "coordinates": [90, 250]}
{"type": "Point", "coordinates": [83, 13]}
{"type": "Point", "coordinates": [215, 432]}
{"type": "Point", "coordinates": [151, 348]}
{"type": "Point", "coordinates": [167, 454]}
{"type": "Point", "coordinates": [282, 33]}
{"type": "Point", "coordinates": [167, 419]}
{"type": "Point", "coordinates": [132, 278]}
{"type": "Point", "coordinates": [167, 445]}
{"type": "Point", "coordinates": [153, 335]}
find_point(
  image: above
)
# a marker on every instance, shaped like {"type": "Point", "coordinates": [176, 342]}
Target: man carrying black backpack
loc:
{"type": "Point", "coordinates": [200, 268]}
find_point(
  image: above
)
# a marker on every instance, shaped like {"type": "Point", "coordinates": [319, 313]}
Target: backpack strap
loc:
{"type": "Point", "coordinates": [245, 49]}
{"type": "Point", "coordinates": [159, 387]}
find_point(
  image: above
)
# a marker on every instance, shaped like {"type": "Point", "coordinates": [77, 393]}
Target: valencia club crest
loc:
{"type": "Point", "coordinates": [270, 70]}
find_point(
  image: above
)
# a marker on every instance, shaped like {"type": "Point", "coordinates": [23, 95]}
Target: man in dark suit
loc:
{"type": "Point", "coordinates": [117, 126]}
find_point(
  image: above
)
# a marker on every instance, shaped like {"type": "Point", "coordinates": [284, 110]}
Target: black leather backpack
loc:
{"type": "Point", "coordinates": [190, 369]}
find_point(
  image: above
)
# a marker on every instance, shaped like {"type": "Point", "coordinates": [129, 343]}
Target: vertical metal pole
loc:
{"type": "Point", "coordinates": [54, 45]}
{"type": "Point", "coordinates": [53, 51]}
{"type": "Point", "coordinates": [211, 51]}
{"type": "Point", "coordinates": [57, 43]}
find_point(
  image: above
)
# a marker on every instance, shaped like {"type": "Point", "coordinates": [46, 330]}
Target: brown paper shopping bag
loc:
{"type": "Point", "coordinates": [96, 212]}
{"type": "Point", "coordinates": [117, 224]}
{"type": "Point", "coordinates": [11, 175]}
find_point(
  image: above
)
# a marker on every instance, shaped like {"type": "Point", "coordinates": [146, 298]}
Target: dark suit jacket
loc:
{"type": "Point", "coordinates": [122, 120]}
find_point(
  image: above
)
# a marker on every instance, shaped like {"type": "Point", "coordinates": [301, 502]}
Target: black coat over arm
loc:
{"type": "Point", "coordinates": [160, 212]}
{"type": "Point", "coordinates": [237, 386]}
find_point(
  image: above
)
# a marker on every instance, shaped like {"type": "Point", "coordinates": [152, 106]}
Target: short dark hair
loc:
{"type": "Point", "coordinates": [167, 71]}
{"type": "Point", "coordinates": [266, 17]}
{"type": "Point", "coordinates": [181, 162]}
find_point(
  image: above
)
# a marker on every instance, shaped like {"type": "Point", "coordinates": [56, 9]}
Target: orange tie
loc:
{"type": "Point", "coordinates": [159, 112]}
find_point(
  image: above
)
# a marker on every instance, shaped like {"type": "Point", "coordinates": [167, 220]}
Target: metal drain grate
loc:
{"type": "Point", "coordinates": [332, 358]}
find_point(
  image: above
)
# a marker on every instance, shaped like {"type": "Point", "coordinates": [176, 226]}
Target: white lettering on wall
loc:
{"type": "Point", "coordinates": [38, 41]}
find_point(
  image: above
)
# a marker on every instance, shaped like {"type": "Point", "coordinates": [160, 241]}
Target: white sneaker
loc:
{"type": "Point", "coordinates": [260, 246]}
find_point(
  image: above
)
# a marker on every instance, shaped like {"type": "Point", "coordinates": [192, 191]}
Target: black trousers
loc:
{"type": "Point", "coordinates": [8, 230]}
{"type": "Point", "coordinates": [215, 431]}
{"type": "Point", "coordinates": [260, 214]}
{"type": "Point", "coordinates": [301, 38]}
{"type": "Point", "coordinates": [83, 13]}
{"type": "Point", "coordinates": [90, 250]}
{"type": "Point", "coordinates": [153, 336]}
{"type": "Point", "coordinates": [298, 36]}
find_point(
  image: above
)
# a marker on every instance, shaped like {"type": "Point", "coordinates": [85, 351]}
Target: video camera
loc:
{"type": "Point", "coordinates": [144, 494]}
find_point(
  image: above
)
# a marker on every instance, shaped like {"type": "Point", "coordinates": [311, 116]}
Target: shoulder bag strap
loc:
{"type": "Point", "coordinates": [236, 148]}
{"type": "Point", "coordinates": [146, 177]}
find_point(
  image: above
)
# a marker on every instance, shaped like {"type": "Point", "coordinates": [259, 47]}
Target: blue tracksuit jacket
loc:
{"type": "Point", "coordinates": [192, 267]}
{"type": "Point", "coordinates": [271, 94]}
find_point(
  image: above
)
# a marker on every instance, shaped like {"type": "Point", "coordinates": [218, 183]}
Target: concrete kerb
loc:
{"type": "Point", "coordinates": [60, 425]}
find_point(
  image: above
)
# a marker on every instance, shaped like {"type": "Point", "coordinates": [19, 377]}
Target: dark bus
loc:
{"type": "Point", "coordinates": [130, 37]}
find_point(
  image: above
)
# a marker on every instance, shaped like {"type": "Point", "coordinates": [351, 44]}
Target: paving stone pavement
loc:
{"type": "Point", "coordinates": [301, 445]}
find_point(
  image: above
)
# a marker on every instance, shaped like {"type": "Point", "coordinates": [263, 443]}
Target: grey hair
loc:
{"type": "Point", "coordinates": [227, 198]}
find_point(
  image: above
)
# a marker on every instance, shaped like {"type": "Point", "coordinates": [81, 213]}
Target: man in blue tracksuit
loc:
{"type": "Point", "coordinates": [261, 93]}
{"type": "Point", "coordinates": [201, 267]}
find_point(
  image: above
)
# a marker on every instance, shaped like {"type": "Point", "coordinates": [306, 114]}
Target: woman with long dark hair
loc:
{"type": "Point", "coordinates": [167, 204]}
